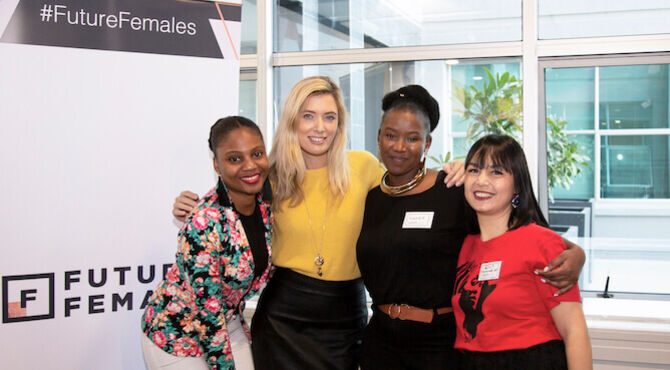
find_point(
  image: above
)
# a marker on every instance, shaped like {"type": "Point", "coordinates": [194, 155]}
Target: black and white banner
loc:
{"type": "Point", "coordinates": [147, 26]}
{"type": "Point", "coordinates": [105, 109]}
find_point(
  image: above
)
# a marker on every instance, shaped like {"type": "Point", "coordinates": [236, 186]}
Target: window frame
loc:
{"type": "Point", "coordinates": [535, 55]}
{"type": "Point", "coordinates": [655, 206]}
{"type": "Point", "coordinates": [604, 206]}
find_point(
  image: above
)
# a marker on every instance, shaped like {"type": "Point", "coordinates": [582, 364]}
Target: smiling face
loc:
{"type": "Point", "coordinates": [241, 163]}
{"type": "Point", "coordinates": [489, 189]}
{"type": "Point", "coordinates": [402, 142]}
{"type": "Point", "coordinates": [316, 129]}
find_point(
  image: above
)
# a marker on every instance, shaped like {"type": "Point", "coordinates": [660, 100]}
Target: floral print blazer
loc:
{"type": "Point", "coordinates": [210, 281]}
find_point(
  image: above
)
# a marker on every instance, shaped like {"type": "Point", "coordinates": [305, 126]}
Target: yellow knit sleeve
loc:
{"type": "Point", "coordinates": [367, 167]}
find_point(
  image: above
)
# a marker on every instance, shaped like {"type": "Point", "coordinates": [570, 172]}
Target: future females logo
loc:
{"type": "Point", "coordinates": [32, 296]}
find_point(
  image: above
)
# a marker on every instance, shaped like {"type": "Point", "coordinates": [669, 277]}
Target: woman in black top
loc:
{"type": "Point", "coordinates": [409, 243]}
{"type": "Point", "coordinates": [412, 232]}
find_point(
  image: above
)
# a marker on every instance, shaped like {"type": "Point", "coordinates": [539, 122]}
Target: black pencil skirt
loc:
{"type": "Point", "coordinates": [306, 323]}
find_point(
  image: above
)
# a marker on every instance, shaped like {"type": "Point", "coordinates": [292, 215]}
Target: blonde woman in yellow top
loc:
{"type": "Point", "coordinates": [311, 313]}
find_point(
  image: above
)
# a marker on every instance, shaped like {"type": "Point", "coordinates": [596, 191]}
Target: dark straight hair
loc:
{"type": "Point", "coordinates": [506, 153]}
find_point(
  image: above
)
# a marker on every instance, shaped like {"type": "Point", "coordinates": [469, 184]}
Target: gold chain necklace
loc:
{"type": "Point", "coordinates": [395, 190]}
{"type": "Point", "coordinates": [318, 260]}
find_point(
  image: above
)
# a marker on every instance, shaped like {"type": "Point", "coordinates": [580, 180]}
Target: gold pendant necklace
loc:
{"type": "Point", "coordinates": [395, 190]}
{"type": "Point", "coordinates": [318, 260]}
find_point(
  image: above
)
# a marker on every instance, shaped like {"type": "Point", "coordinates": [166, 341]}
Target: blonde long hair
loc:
{"type": "Point", "coordinates": [287, 166]}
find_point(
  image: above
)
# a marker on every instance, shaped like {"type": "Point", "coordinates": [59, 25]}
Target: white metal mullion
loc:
{"type": "Point", "coordinates": [248, 61]}
{"type": "Point", "coordinates": [604, 45]}
{"type": "Point", "coordinates": [530, 70]}
{"type": "Point", "coordinates": [264, 81]}
{"type": "Point", "coordinates": [579, 132]}
{"type": "Point", "coordinates": [405, 53]}
{"type": "Point", "coordinates": [357, 86]}
{"type": "Point", "coordinates": [608, 60]}
{"type": "Point", "coordinates": [448, 140]}
{"type": "Point", "coordinates": [596, 137]}
{"type": "Point", "coordinates": [543, 181]}
{"type": "Point", "coordinates": [635, 132]}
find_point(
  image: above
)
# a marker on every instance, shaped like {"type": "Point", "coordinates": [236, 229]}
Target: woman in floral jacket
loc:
{"type": "Point", "coordinates": [223, 259]}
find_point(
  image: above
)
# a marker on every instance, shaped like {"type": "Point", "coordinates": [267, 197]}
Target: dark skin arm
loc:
{"type": "Point", "coordinates": [563, 271]}
{"type": "Point", "coordinates": [184, 204]}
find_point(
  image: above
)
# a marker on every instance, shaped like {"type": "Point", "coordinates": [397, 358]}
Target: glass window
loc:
{"type": "Point", "coordinates": [608, 167]}
{"type": "Point", "coordinates": [363, 86]}
{"type": "Point", "coordinates": [634, 97]}
{"type": "Point", "coordinates": [571, 93]}
{"type": "Point", "coordinates": [248, 37]}
{"type": "Point", "coordinates": [247, 101]}
{"type": "Point", "coordinates": [578, 18]}
{"type": "Point", "coordinates": [634, 166]}
{"type": "Point", "coordinates": [634, 264]}
{"type": "Point", "coordinates": [309, 25]}
{"type": "Point", "coordinates": [631, 100]}
{"type": "Point", "coordinates": [583, 183]}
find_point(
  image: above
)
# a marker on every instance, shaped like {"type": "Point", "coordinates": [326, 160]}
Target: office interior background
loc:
{"type": "Point", "coordinates": [583, 85]}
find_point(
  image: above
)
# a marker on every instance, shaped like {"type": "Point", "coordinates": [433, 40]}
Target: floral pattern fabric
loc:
{"type": "Point", "coordinates": [210, 281]}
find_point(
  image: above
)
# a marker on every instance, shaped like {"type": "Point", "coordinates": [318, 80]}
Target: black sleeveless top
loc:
{"type": "Point", "coordinates": [415, 266]}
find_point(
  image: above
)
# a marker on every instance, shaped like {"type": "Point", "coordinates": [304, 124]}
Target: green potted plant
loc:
{"type": "Point", "coordinates": [440, 161]}
{"type": "Point", "coordinates": [495, 108]}
{"type": "Point", "coordinates": [564, 158]}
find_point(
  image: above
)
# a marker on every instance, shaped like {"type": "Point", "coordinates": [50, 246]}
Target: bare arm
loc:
{"type": "Point", "coordinates": [569, 320]}
{"type": "Point", "coordinates": [184, 204]}
{"type": "Point", "coordinates": [563, 271]}
{"type": "Point", "coordinates": [455, 173]}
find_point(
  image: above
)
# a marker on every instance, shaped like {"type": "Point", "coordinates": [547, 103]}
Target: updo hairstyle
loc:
{"type": "Point", "coordinates": [416, 99]}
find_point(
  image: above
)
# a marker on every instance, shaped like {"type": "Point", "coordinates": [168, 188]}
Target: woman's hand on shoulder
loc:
{"type": "Point", "coordinates": [564, 270]}
{"type": "Point", "coordinates": [455, 173]}
{"type": "Point", "coordinates": [184, 205]}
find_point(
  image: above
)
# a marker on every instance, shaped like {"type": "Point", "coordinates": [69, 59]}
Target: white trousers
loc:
{"type": "Point", "coordinates": [155, 358]}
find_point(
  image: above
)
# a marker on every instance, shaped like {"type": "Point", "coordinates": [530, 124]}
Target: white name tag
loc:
{"type": "Point", "coordinates": [418, 220]}
{"type": "Point", "coordinates": [490, 271]}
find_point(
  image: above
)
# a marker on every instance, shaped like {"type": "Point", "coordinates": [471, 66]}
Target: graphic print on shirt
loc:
{"type": "Point", "coordinates": [473, 293]}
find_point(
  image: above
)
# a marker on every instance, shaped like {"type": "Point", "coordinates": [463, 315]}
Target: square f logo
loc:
{"type": "Point", "coordinates": [27, 297]}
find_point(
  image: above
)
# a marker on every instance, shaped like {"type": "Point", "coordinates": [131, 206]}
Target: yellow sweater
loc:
{"type": "Point", "coordinates": [293, 244]}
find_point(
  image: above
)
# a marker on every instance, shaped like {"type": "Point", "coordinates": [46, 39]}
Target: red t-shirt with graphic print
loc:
{"type": "Point", "coordinates": [507, 306]}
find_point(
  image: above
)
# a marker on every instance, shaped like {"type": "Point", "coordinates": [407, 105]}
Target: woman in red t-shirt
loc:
{"type": "Point", "coordinates": [506, 318]}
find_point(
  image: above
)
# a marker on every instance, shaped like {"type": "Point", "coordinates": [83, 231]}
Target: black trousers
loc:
{"type": "Point", "coordinates": [306, 323]}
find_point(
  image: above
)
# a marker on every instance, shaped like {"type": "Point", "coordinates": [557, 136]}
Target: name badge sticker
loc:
{"type": "Point", "coordinates": [490, 271]}
{"type": "Point", "coordinates": [418, 220]}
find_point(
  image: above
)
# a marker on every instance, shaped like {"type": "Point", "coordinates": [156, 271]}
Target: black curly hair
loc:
{"type": "Point", "coordinates": [416, 99]}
